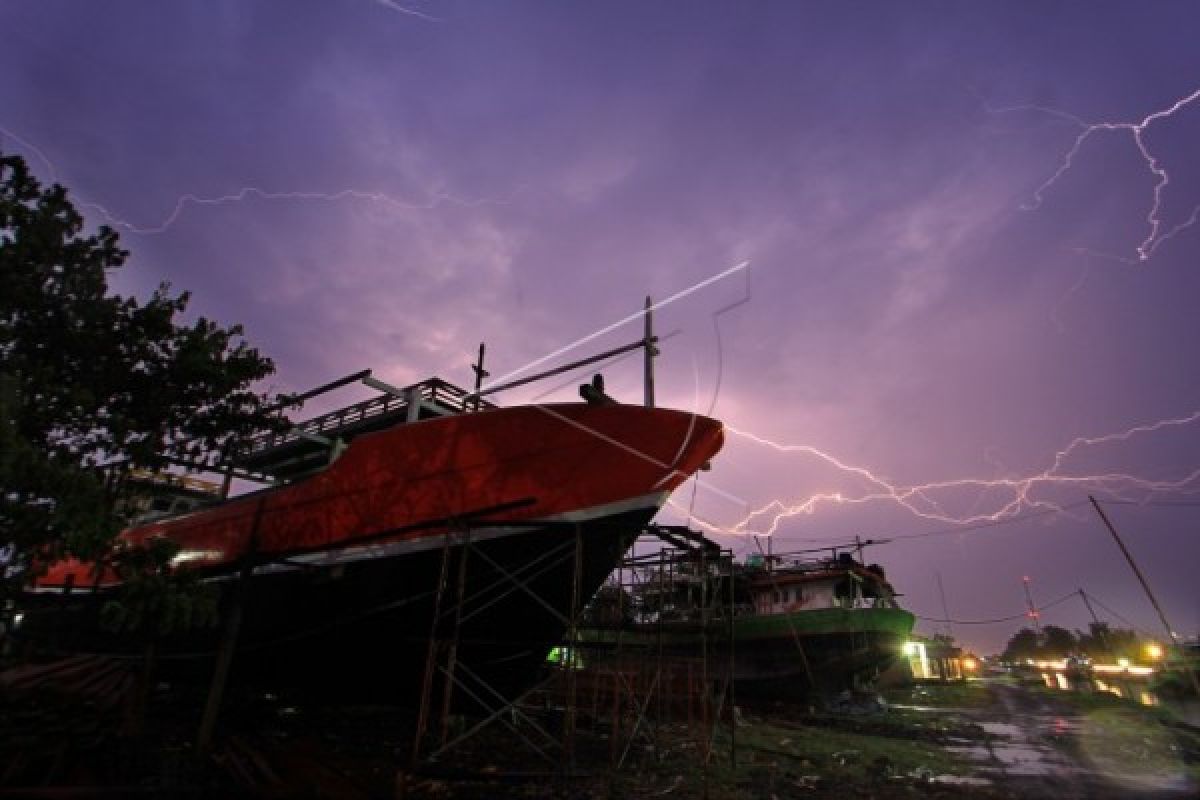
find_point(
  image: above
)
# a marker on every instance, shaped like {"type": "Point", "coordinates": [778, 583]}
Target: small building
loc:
{"type": "Point", "coordinates": [934, 660]}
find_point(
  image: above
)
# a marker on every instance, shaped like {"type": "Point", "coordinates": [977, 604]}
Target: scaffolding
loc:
{"type": "Point", "coordinates": [649, 654]}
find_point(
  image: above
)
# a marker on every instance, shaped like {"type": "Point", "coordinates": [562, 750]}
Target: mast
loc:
{"type": "Point", "coordinates": [480, 374]}
{"type": "Point", "coordinates": [651, 352]}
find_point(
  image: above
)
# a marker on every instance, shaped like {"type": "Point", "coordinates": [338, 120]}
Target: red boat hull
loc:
{"type": "Point", "coordinates": [346, 564]}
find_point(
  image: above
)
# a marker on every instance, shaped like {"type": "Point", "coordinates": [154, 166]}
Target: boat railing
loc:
{"type": "Point", "coordinates": [864, 602]}
{"type": "Point", "coordinates": [435, 395]}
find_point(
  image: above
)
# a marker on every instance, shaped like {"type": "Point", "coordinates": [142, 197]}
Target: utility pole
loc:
{"type": "Point", "coordinates": [1099, 625]}
{"type": "Point", "coordinates": [1034, 614]}
{"type": "Point", "coordinates": [945, 608]}
{"type": "Point", "coordinates": [1172, 637]}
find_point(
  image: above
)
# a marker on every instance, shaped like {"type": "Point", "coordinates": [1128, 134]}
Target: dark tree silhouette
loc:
{"type": "Point", "coordinates": [1023, 644]}
{"type": "Point", "coordinates": [89, 379]}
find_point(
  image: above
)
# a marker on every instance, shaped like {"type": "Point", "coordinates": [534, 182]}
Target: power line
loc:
{"type": "Point", "coordinates": [1014, 617]}
{"type": "Point", "coordinates": [1119, 617]}
{"type": "Point", "coordinates": [1156, 503]}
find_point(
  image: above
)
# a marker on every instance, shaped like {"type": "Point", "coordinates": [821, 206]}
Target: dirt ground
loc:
{"type": "Point", "coordinates": [982, 739]}
{"type": "Point", "coordinates": [1045, 743]}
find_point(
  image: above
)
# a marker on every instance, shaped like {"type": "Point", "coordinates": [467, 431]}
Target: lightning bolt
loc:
{"type": "Point", "coordinates": [31, 147]}
{"type": "Point", "coordinates": [1156, 236]}
{"type": "Point", "coordinates": [412, 12]}
{"type": "Point", "coordinates": [922, 500]}
{"type": "Point", "coordinates": [247, 192]}
{"type": "Point", "coordinates": [241, 195]}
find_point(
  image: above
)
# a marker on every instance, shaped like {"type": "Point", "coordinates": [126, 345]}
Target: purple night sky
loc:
{"type": "Point", "coordinates": [934, 292]}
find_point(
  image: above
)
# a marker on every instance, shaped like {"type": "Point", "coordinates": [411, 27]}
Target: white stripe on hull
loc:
{"type": "Point", "coordinates": [347, 555]}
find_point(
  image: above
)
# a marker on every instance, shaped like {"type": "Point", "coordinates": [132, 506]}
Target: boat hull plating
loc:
{"type": "Point", "coordinates": [341, 571]}
{"type": "Point", "coordinates": [361, 630]}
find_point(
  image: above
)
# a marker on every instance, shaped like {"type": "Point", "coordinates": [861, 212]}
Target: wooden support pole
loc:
{"type": "Point", "coordinates": [572, 652]}
{"type": "Point", "coordinates": [228, 644]}
{"type": "Point", "coordinates": [431, 657]}
{"type": "Point", "coordinates": [732, 668]}
{"type": "Point", "coordinates": [452, 654]}
{"type": "Point", "coordinates": [1172, 637]}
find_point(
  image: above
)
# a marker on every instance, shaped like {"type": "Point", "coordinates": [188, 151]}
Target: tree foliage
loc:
{"type": "Point", "coordinates": [158, 600]}
{"type": "Point", "coordinates": [1101, 643]}
{"type": "Point", "coordinates": [1023, 644]}
{"type": "Point", "coordinates": [90, 379]}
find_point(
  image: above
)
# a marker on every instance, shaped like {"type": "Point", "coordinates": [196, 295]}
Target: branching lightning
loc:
{"type": "Point", "coordinates": [37, 151]}
{"type": "Point", "coordinates": [407, 10]}
{"type": "Point", "coordinates": [1019, 495]}
{"type": "Point", "coordinates": [247, 192]}
{"type": "Point", "coordinates": [1156, 236]}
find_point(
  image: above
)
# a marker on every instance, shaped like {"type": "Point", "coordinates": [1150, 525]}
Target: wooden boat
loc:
{"type": "Point", "coordinates": [798, 624]}
{"type": "Point", "coordinates": [382, 513]}
{"type": "Point", "coordinates": [828, 624]}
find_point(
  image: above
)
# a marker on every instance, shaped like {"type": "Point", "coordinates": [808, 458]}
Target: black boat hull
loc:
{"type": "Point", "coordinates": [361, 629]}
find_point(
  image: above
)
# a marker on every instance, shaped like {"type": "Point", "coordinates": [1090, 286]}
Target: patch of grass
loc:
{"type": "Point", "coordinates": [1136, 748]}
{"type": "Point", "coordinates": [967, 694]}
{"type": "Point", "coordinates": [1126, 741]}
{"type": "Point", "coordinates": [783, 759]}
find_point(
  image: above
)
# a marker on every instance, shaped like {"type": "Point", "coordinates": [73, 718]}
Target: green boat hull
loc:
{"type": "Point", "coordinates": [827, 649]}
{"type": "Point", "coordinates": [794, 654]}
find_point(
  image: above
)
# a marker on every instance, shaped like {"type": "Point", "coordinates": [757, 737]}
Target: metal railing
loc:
{"type": "Point", "coordinates": [435, 393]}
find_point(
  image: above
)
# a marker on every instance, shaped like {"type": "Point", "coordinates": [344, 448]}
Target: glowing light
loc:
{"type": "Point", "coordinates": [970, 664]}
{"type": "Point", "coordinates": [1122, 666]}
{"type": "Point", "coordinates": [918, 660]}
{"type": "Point", "coordinates": [1156, 235]}
{"type": "Point", "coordinates": [1063, 683]}
{"type": "Point", "coordinates": [1154, 651]}
{"type": "Point", "coordinates": [189, 556]}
